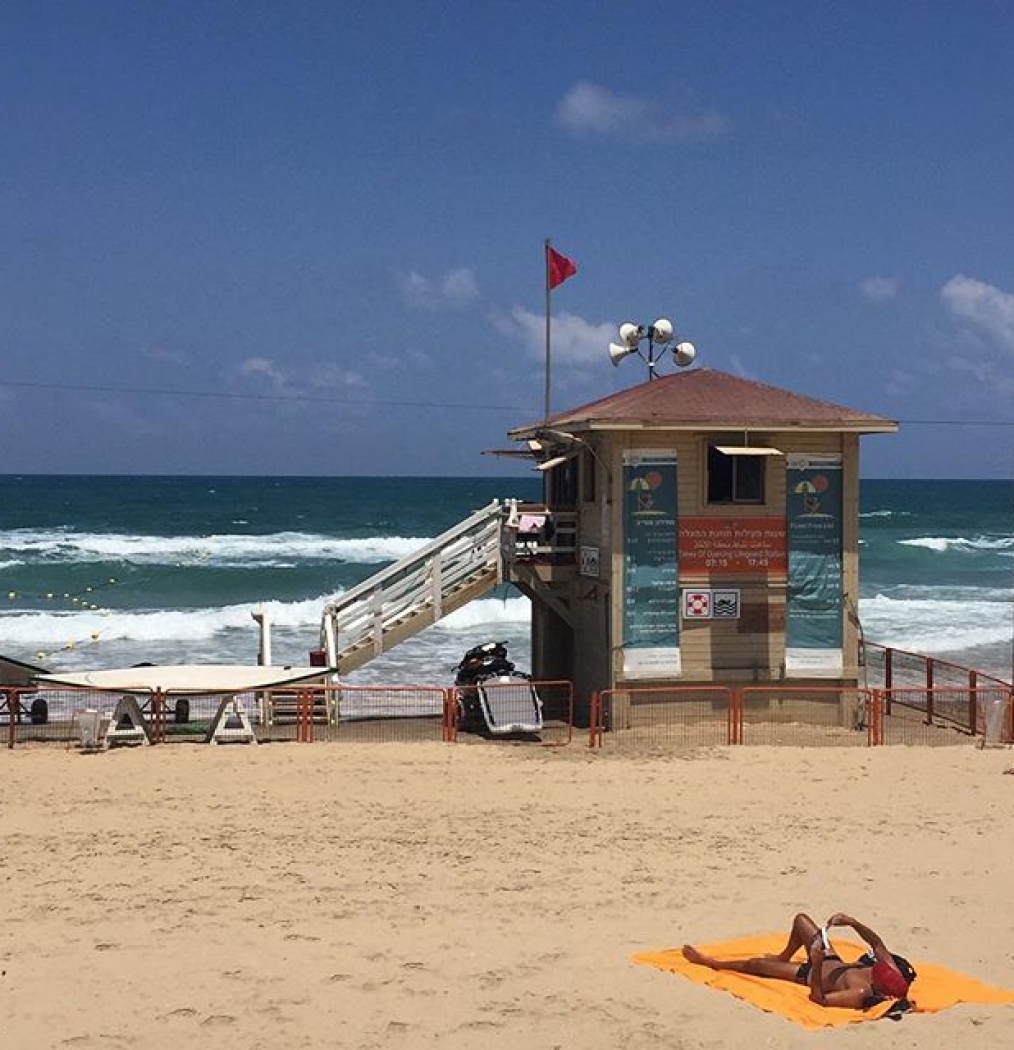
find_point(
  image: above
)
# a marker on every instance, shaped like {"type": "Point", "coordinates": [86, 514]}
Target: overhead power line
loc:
{"type": "Point", "coordinates": [225, 395]}
{"type": "Point", "coordinates": [957, 422]}
{"type": "Point", "coordinates": [349, 399]}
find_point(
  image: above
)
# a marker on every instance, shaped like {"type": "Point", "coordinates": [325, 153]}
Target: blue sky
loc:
{"type": "Point", "coordinates": [307, 237]}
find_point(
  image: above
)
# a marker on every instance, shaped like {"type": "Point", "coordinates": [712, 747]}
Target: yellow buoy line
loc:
{"type": "Point", "coordinates": [81, 599]}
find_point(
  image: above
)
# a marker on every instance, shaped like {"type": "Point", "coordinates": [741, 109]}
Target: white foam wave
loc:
{"type": "Point", "coordinates": [223, 551]}
{"type": "Point", "coordinates": [181, 627]}
{"type": "Point", "coordinates": [162, 626]}
{"type": "Point", "coordinates": [933, 626]}
{"type": "Point", "coordinates": [488, 612]}
{"type": "Point", "coordinates": [942, 544]}
{"type": "Point", "coordinates": [885, 514]}
{"type": "Point", "coordinates": [10, 564]}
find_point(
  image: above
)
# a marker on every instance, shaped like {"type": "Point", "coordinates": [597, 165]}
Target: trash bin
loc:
{"type": "Point", "coordinates": [994, 719]}
{"type": "Point", "coordinates": [88, 728]}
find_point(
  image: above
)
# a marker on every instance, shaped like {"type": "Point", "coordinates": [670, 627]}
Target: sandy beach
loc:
{"type": "Point", "coordinates": [487, 896]}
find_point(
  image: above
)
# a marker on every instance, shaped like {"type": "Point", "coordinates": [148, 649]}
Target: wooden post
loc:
{"type": "Point", "coordinates": [377, 615]}
{"type": "Point", "coordinates": [436, 585]}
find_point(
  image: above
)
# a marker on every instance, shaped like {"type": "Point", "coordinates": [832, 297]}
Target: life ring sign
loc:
{"type": "Point", "coordinates": [711, 605]}
{"type": "Point", "coordinates": [697, 605]}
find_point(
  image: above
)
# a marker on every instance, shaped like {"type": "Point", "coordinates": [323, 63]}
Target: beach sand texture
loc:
{"type": "Point", "coordinates": [407, 895]}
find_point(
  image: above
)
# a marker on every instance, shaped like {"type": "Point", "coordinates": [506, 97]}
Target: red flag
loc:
{"type": "Point", "coordinates": [558, 267]}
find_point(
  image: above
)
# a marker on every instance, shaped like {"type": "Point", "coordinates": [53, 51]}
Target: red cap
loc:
{"type": "Point", "coordinates": [887, 981]}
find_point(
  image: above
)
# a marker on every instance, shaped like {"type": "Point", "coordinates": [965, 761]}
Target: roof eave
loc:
{"type": "Point", "coordinates": [886, 426]}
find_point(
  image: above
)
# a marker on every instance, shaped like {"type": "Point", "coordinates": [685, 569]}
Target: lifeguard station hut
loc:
{"type": "Point", "coordinates": [712, 527]}
{"type": "Point", "coordinates": [699, 528]}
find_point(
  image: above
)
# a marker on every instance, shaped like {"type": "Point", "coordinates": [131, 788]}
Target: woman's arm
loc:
{"type": "Point", "coordinates": [874, 940]}
{"type": "Point", "coordinates": [815, 953]}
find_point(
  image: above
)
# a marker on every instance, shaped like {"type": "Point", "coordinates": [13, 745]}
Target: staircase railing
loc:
{"type": "Point", "coordinates": [416, 590]}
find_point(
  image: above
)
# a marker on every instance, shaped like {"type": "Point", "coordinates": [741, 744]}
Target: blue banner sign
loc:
{"type": "Point", "coordinates": [813, 615]}
{"type": "Point", "coordinates": [651, 597]}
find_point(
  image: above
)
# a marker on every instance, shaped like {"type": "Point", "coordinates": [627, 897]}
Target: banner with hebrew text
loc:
{"type": "Point", "coordinates": [813, 614]}
{"type": "Point", "coordinates": [651, 598]}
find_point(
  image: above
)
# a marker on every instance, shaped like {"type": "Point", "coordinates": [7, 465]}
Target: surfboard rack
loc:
{"type": "Point", "coordinates": [231, 724]}
{"type": "Point", "coordinates": [128, 724]}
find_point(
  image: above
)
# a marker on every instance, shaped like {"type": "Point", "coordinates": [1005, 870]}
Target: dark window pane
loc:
{"type": "Point", "coordinates": [719, 476]}
{"type": "Point", "coordinates": [735, 479]}
{"type": "Point", "coordinates": [749, 479]}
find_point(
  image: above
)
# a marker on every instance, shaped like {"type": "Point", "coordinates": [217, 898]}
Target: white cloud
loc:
{"type": "Point", "coordinates": [985, 307]}
{"type": "Point", "coordinates": [575, 340]}
{"type": "Point", "coordinates": [879, 289]}
{"type": "Point", "coordinates": [263, 368]}
{"type": "Point", "coordinates": [589, 109]}
{"type": "Point", "coordinates": [322, 377]}
{"type": "Point", "coordinates": [452, 290]}
{"type": "Point", "coordinates": [997, 380]}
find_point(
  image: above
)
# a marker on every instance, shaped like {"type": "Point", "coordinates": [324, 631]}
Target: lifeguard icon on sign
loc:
{"type": "Point", "coordinates": [697, 605]}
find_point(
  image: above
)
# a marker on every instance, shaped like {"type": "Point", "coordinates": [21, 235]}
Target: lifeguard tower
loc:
{"type": "Point", "coordinates": [715, 536]}
{"type": "Point", "coordinates": [699, 528]}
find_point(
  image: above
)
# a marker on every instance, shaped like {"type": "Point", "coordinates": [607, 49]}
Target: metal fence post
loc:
{"type": "Point", "coordinates": [888, 676]}
{"type": "Point", "coordinates": [929, 691]}
{"type": "Point", "coordinates": [13, 707]}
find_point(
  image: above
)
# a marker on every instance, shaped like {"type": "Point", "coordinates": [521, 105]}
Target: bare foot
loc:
{"type": "Point", "coordinates": [691, 954]}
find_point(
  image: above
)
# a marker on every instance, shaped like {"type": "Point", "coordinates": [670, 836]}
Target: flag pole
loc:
{"type": "Point", "coordinates": [548, 363]}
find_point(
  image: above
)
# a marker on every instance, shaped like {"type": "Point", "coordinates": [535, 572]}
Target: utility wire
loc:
{"type": "Point", "coordinates": [482, 406]}
{"type": "Point", "coordinates": [334, 399]}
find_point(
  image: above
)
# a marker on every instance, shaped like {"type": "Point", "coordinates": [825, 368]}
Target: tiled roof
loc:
{"type": "Point", "coordinates": [703, 398]}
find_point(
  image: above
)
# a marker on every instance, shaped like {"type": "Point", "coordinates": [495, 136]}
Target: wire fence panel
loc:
{"type": "Point", "coordinates": [541, 711]}
{"type": "Point", "coordinates": [52, 715]}
{"type": "Point", "coordinates": [835, 716]}
{"type": "Point", "coordinates": [367, 713]}
{"type": "Point", "coordinates": [55, 715]}
{"type": "Point", "coordinates": [887, 668]}
{"type": "Point", "coordinates": [662, 719]}
{"type": "Point", "coordinates": [942, 716]}
{"type": "Point", "coordinates": [302, 714]}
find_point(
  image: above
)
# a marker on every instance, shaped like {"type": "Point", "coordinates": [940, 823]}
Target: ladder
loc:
{"type": "Point", "coordinates": [415, 592]}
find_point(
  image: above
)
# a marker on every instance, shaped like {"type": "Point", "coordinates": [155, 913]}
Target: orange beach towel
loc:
{"type": "Point", "coordinates": [934, 989]}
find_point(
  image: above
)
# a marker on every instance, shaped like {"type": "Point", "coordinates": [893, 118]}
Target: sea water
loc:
{"type": "Point", "coordinates": [112, 571]}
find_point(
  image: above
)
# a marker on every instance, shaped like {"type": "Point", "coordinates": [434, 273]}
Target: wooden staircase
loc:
{"type": "Point", "coordinates": [415, 592]}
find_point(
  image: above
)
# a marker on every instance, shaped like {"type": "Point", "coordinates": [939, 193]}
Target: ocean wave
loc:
{"type": "Point", "coordinates": [220, 551]}
{"type": "Point", "coordinates": [933, 625]}
{"type": "Point", "coordinates": [942, 544]}
{"type": "Point", "coordinates": [946, 623]}
{"type": "Point", "coordinates": [11, 563]}
{"type": "Point", "coordinates": [180, 626]}
{"type": "Point", "coordinates": [954, 593]}
{"type": "Point", "coordinates": [885, 514]}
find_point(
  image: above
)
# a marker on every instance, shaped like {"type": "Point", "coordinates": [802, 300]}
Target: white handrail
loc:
{"type": "Point", "coordinates": [422, 580]}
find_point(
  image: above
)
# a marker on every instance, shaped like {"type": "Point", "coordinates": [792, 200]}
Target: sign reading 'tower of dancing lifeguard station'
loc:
{"type": "Point", "coordinates": [732, 547]}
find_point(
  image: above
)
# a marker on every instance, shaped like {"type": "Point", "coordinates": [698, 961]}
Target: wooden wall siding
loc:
{"type": "Point", "coordinates": [752, 647]}
{"type": "Point", "coordinates": [756, 641]}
